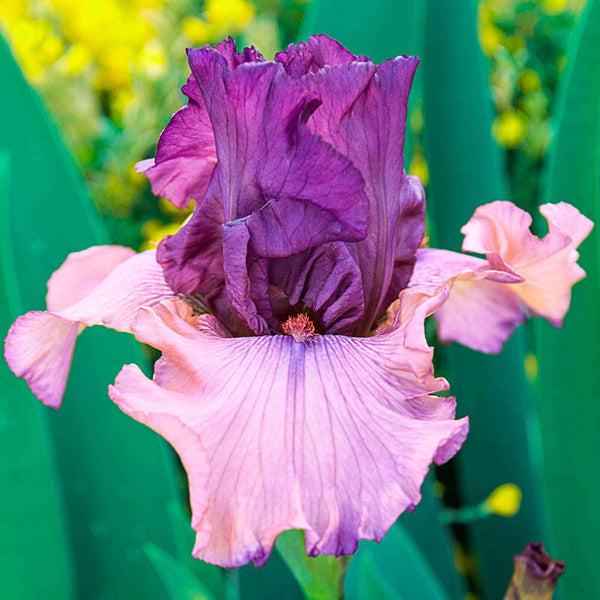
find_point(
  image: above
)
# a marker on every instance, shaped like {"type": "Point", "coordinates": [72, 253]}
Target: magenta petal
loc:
{"type": "Point", "coordinates": [312, 55]}
{"type": "Point", "coordinates": [334, 437]}
{"type": "Point", "coordinates": [39, 345]}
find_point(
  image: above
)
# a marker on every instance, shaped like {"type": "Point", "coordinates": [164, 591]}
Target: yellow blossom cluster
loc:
{"type": "Point", "coordinates": [512, 34]}
{"type": "Point", "coordinates": [110, 71]}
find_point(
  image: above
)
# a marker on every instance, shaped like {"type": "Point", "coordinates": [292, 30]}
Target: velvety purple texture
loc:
{"type": "Point", "coordinates": [308, 206]}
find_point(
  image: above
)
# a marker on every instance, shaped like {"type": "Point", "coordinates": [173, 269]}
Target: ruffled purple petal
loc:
{"type": "Point", "coordinates": [363, 115]}
{"type": "Point", "coordinates": [333, 437]}
{"type": "Point", "coordinates": [278, 190]}
{"type": "Point", "coordinates": [312, 55]}
{"type": "Point", "coordinates": [104, 285]}
{"type": "Point", "coordinates": [186, 154]}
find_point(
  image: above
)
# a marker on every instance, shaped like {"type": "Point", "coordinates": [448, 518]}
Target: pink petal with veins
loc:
{"type": "Point", "coordinates": [333, 435]}
{"type": "Point", "coordinates": [104, 285]}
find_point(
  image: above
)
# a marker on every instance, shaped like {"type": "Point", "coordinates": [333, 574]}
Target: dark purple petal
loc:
{"type": "Point", "coordinates": [363, 115]}
{"type": "Point", "coordinates": [186, 154]}
{"type": "Point", "coordinates": [278, 189]}
{"type": "Point", "coordinates": [228, 50]}
{"type": "Point", "coordinates": [328, 280]}
{"type": "Point", "coordinates": [314, 54]}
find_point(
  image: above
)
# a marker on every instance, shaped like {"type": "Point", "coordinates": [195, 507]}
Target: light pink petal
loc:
{"type": "Point", "coordinates": [564, 218]}
{"type": "Point", "coordinates": [39, 345]}
{"type": "Point", "coordinates": [548, 266]}
{"type": "Point", "coordinates": [332, 436]}
{"type": "Point", "coordinates": [81, 273]}
{"type": "Point", "coordinates": [480, 314]}
{"type": "Point", "coordinates": [481, 311]}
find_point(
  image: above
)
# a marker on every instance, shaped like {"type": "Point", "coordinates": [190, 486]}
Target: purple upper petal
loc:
{"type": "Point", "coordinates": [277, 192]}
{"type": "Point", "coordinates": [186, 155]}
{"type": "Point", "coordinates": [363, 115]}
{"type": "Point", "coordinates": [309, 153]}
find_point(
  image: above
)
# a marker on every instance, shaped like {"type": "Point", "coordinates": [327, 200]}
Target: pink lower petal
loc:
{"type": "Point", "coordinates": [333, 436]}
{"type": "Point", "coordinates": [81, 273]}
{"type": "Point", "coordinates": [39, 345]}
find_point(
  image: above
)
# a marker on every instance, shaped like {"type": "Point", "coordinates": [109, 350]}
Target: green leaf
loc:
{"type": "Point", "coordinates": [320, 577]}
{"type": "Point", "coordinates": [394, 569]}
{"type": "Point", "coordinates": [465, 172]}
{"type": "Point", "coordinates": [211, 576]}
{"type": "Point", "coordinates": [115, 475]}
{"type": "Point", "coordinates": [179, 581]}
{"type": "Point", "coordinates": [568, 399]}
{"type": "Point", "coordinates": [35, 560]}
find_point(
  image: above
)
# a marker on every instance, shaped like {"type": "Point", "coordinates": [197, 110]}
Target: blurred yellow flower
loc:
{"type": "Point", "coordinates": [226, 14]}
{"type": "Point", "coordinates": [529, 81]}
{"type": "Point", "coordinates": [555, 7]}
{"type": "Point", "coordinates": [509, 128]}
{"type": "Point", "coordinates": [154, 230]}
{"type": "Point", "coordinates": [418, 167]}
{"type": "Point", "coordinates": [504, 501]}
{"type": "Point", "coordinates": [198, 31]}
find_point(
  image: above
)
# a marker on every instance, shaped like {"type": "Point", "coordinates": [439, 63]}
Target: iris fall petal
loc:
{"type": "Point", "coordinates": [333, 436]}
{"type": "Point", "coordinates": [103, 285]}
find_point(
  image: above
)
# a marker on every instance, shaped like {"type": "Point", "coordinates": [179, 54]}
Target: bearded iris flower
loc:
{"type": "Point", "coordinates": [295, 381]}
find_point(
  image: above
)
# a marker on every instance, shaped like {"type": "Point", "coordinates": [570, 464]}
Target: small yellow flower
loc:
{"type": "Point", "coordinates": [529, 81]}
{"type": "Point", "coordinates": [229, 13]}
{"type": "Point", "coordinates": [154, 230]}
{"type": "Point", "coordinates": [509, 128]}
{"type": "Point", "coordinates": [555, 7]}
{"type": "Point", "coordinates": [154, 60]}
{"type": "Point", "coordinates": [418, 167]}
{"type": "Point", "coordinates": [504, 501]}
{"type": "Point", "coordinates": [199, 32]}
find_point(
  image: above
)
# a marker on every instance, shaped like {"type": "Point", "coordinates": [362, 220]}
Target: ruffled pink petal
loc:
{"type": "Point", "coordinates": [481, 311]}
{"type": "Point", "coordinates": [81, 273]}
{"type": "Point", "coordinates": [333, 436]}
{"type": "Point", "coordinates": [548, 266]}
{"type": "Point", "coordinates": [39, 345]}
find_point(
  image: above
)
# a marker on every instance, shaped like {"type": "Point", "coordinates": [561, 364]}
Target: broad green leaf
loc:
{"type": "Point", "coordinates": [321, 577]}
{"type": "Point", "coordinates": [35, 561]}
{"type": "Point", "coordinates": [568, 357]}
{"type": "Point", "coordinates": [211, 576]}
{"type": "Point", "coordinates": [465, 172]}
{"type": "Point", "coordinates": [179, 581]}
{"type": "Point", "coordinates": [116, 476]}
{"type": "Point", "coordinates": [394, 569]}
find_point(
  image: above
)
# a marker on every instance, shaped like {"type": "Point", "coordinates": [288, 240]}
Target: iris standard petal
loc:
{"type": "Point", "coordinates": [277, 191]}
{"type": "Point", "coordinates": [39, 345]}
{"type": "Point", "coordinates": [363, 115]}
{"type": "Point", "coordinates": [548, 265]}
{"type": "Point", "coordinates": [333, 436]}
{"type": "Point", "coordinates": [186, 155]}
